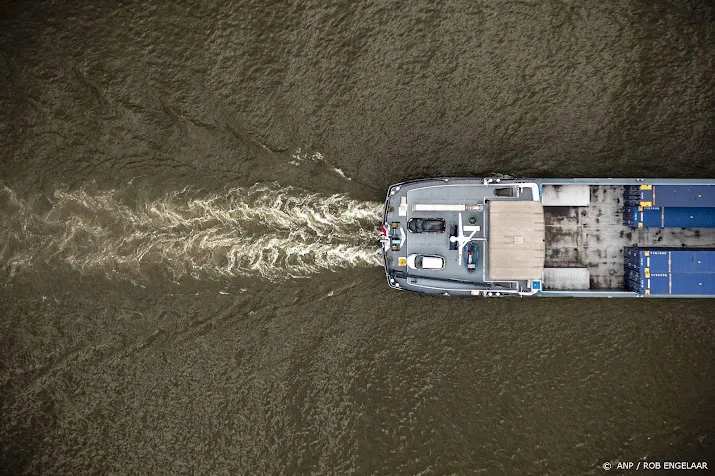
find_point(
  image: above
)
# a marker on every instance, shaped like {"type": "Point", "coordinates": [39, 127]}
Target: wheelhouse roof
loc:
{"type": "Point", "coordinates": [516, 239]}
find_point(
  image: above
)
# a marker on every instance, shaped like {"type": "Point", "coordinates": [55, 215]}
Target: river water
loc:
{"type": "Point", "coordinates": [190, 194]}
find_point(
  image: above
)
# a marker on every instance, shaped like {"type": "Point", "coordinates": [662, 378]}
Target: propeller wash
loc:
{"type": "Point", "coordinates": [268, 231]}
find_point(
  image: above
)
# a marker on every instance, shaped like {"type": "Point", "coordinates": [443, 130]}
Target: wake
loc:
{"type": "Point", "coordinates": [268, 231]}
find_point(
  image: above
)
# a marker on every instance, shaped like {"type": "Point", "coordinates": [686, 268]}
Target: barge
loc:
{"type": "Point", "coordinates": [498, 236]}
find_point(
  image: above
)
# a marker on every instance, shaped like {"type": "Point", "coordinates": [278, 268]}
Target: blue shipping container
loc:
{"type": "Point", "coordinates": [678, 195]}
{"type": "Point", "coordinates": [677, 217]}
{"type": "Point", "coordinates": [692, 283]}
{"type": "Point", "coordinates": [642, 259]}
{"type": "Point", "coordinates": [693, 262]}
{"type": "Point", "coordinates": [672, 217]}
{"type": "Point", "coordinates": [670, 260]}
{"type": "Point", "coordinates": [657, 285]}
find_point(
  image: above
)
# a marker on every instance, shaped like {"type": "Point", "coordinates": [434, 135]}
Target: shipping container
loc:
{"type": "Point", "coordinates": [667, 259]}
{"type": "Point", "coordinates": [668, 217]}
{"type": "Point", "coordinates": [690, 196]}
{"type": "Point", "coordinates": [657, 285]}
{"type": "Point", "coordinates": [640, 217]}
{"type": "Point", "coordinates": [643, 261]}
{"type": "Point", "coordinates": [693, 261]}
{"type": "Point", "coordinates": [692, 283]}
{"type": "Point", "coordinates": [669, 271]}
{"type": "Point", "coordinates": [675, 217]}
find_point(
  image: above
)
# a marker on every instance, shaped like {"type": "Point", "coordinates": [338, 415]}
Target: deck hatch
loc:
{"type": "Point", "coordinates": [516, 239]}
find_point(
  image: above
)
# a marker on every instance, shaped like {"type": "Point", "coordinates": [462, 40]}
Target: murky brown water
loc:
{"type": "Point", "coordinates": [164, 167]}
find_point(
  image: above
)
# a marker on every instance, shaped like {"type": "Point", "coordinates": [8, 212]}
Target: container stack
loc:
{"type": "Point", "coordinates": [669, 206]}
{"type": "Point", "coordinates": [669, 217]}
{"type": "Point", "coordinates": [669, 271]}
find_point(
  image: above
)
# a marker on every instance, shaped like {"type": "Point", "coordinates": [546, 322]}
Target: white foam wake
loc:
{"type": "Point", "coordinates": [266, 230]}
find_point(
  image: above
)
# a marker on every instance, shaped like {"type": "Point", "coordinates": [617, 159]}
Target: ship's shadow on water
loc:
{"type": "Point", "coordinates": [266, 231]}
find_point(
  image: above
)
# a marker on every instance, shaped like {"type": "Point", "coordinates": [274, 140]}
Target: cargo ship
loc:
{"type": "Point", "coordinates": [502, 236]}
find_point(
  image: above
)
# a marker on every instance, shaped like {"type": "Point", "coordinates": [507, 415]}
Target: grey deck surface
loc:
{"type": "Point", "coordinates": [438, 244]}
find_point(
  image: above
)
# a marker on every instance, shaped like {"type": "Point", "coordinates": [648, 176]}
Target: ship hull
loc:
{"type": "Point", "coordinates": [552, 237]}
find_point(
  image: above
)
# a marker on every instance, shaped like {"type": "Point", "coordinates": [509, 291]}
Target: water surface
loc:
{"type": "Point", "coordinates": [189, 284]}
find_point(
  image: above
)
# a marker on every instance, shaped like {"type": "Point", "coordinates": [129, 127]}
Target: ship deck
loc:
{"type": "Point", "coordinates": [539, 236]}
{"type": "Point", "coordinates": [438, 199]}
{"type": "Point", "coordinates": [438, 243]}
